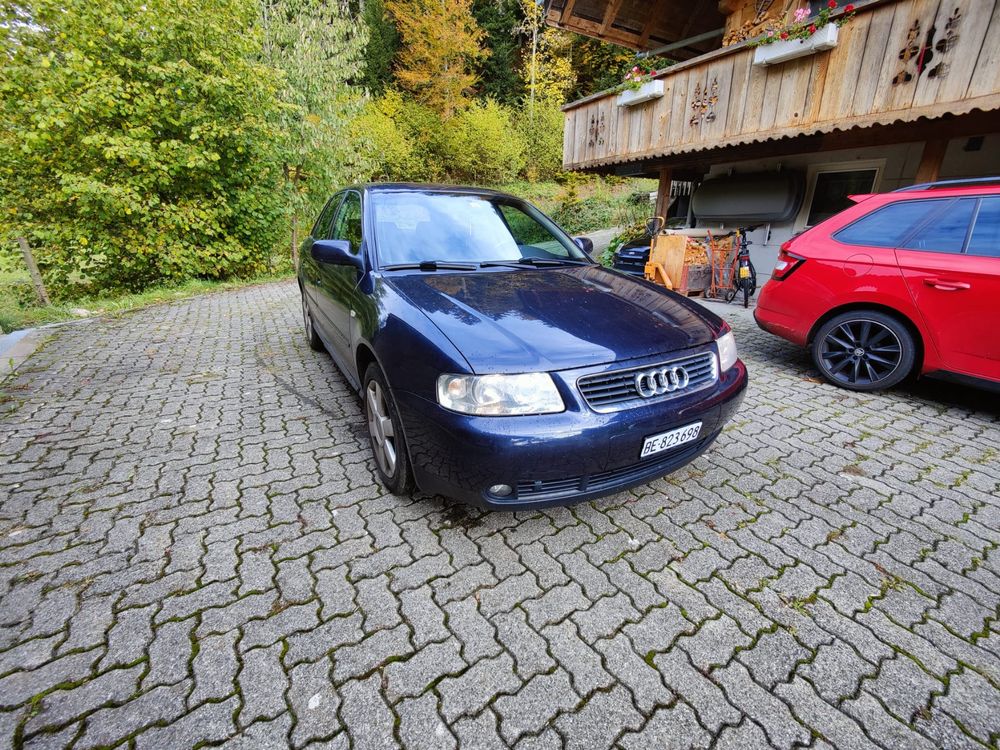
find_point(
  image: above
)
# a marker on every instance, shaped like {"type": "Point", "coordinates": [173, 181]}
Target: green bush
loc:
{"type": "Point", "coordinates": [382, 146]}
{"type": "Point", "coordinates": [135, 145]}
{"type": "Point", "coordinates": [18, 289]}
{"type": "Point", "coordinates": [482, 145]}
{"type": "Point", "coordinates": [541, 131]}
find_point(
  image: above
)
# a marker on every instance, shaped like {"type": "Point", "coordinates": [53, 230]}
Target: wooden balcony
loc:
{"type": "Point", "coordinates": [896, 61]}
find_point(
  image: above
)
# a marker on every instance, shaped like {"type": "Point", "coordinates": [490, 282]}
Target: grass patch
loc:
{"type": "Point", "coordinates": [15, 315]}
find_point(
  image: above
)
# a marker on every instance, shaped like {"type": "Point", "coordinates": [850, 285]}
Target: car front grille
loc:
{"type": "Point", "coordinates": [616, 390]}
{"type": "Point", "coordinates": [553, 489]}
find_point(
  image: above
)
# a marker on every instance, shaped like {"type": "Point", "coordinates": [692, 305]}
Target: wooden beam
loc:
{"type": "Point", "coordinates": [663, 193]}
{"type": "Point", "coordinates": [567, 11]}
{"type": "Point", "coordinates": [593, 29]}
{"type": "Point", "coordinates": [610, 14]}
{"type": "Point", "coordinates": [930, 160]}
{"type": "Point", "coordinates": [647, 29]}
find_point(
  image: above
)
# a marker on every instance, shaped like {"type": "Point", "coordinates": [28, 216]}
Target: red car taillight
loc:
{"type": "Point", "coordinates": [787, 262]}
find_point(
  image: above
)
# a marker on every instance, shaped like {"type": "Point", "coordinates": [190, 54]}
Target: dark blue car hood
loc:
{"type": "Point", "coordinates": [554, 318]}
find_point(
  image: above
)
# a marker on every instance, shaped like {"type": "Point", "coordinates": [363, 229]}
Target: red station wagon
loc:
{"type": "Point", "coordinates": [900, 284]}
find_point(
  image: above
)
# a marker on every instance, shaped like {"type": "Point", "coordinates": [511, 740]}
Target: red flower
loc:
{"type": "Point", "coordinates": [652, 72]}
{"type": "Point", "coordinates": [848, 8]}
{"type": "Point", "coordinates": [812, 28]}
{"type": "Point", "coordinates": [784, 35]}
{"type": "Point", "coordinates": [832, 4]}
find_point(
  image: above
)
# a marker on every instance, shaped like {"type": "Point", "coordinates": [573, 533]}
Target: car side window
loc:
{"type": "Point", "coordinates": [946, 232]}
{"type": "Point", "coordinates": [890, 225]}
{"type": "Point", "coordinates": [348, 225]}
{"type": "Point", "coordinates": [529, 233]}
{"type": "Point", "coordinates": [985, 239]}
{"type": "Point", "coordinates": [321, 229]}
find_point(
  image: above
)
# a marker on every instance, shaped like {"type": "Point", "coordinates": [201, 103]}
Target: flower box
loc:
{"type": "Point", "coordinates": [646, 92]}
{"type": "Point", "coordinates": [789, 49]}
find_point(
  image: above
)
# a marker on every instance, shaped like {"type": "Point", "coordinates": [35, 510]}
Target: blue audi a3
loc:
{"type": "Point", "coordinates": [498, 363]}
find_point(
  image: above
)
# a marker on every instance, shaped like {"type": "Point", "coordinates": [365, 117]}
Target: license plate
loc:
{"type": "Point", "coordinates": [667, 440]}
{"type": "Point", "coordinates": [744, 272]}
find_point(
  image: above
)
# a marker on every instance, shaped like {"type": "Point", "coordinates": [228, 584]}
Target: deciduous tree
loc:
{"type": "Point", "coordinates": [318, 46]}
{"type": "Point", "coordinates": [441, 43]}
{"type": "Point", "coordinates": [136, 139]}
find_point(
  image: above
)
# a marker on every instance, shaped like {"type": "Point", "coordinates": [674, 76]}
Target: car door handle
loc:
{"type": "Point", "coordinates": [946, 285]}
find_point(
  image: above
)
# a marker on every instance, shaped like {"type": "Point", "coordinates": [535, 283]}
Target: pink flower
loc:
{"type": "Point", "coordinates": [802, 14]}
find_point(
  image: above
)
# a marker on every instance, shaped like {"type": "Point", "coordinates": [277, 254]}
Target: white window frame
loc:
{"type": "Point", "coordinates": [814, 170]}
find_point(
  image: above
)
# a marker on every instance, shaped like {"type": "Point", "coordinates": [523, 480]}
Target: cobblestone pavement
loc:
{"type": "Point", "coordinates": [193, 552]}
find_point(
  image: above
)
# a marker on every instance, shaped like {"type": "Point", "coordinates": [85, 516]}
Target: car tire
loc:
{"type": "Point", "coordinates": [864, 350]}
{"type": "Point", "coordinates": [385, 434]}
{"type": "Point", "coordinates": [315, 343]}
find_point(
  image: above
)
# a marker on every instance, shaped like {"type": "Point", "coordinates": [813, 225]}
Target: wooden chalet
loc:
{"type": "Point", "coordinates": [903, 91]}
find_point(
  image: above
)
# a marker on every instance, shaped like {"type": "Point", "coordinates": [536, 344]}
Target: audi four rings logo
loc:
{"type": "Point", "coordinates": [651, 383]}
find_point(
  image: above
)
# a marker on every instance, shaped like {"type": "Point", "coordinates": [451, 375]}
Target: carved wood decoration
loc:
{"type": "Point", "coordinates": [946, 44]}
{"type": "Point", "coordinates": [932, 54]}
{"type": "Point", "coordinates": [703, 104]}
{"type": "Point", "coordinates": [596, 130]}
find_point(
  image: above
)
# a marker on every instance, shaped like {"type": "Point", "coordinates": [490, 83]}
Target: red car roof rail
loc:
{"type": "Point", "coordinates": [971, 182]}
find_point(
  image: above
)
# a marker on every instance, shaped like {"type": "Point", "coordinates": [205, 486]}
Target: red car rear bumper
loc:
{"type": "Point", "coordinates": [781, 312]}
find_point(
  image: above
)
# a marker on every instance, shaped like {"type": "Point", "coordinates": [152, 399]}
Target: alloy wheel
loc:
{"type": "Point", "coordinates": [861, 352]}
{"type": "Point", "coordinates": [380, 427]}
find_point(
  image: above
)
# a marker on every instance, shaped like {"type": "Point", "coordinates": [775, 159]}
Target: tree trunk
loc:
{"type": "Point", "coordinates": [36, 276]}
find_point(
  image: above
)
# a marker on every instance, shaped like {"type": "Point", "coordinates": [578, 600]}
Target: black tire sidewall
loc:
{"type": "Point", "coordinates": [401, 481]}
{"type": "Point", "coordinates": [315, 342]}
{"type": "Point", "coordinates": [907, 345]}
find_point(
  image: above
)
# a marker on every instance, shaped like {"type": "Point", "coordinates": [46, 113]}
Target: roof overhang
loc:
{"type": "Point", "coordinates": [643, 24]}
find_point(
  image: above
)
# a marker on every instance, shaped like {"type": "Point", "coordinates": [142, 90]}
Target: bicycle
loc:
{"type": "Point", "coordinates": [742, 274]}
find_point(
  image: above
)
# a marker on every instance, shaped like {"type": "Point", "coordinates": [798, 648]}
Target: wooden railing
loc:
{"type": "Point", "coordinates": [895, 60]}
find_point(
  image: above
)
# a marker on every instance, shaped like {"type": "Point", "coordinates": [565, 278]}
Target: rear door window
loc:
{"type": "Point", "coordinates": [890, 225]}
{"type": "Point", "coordinates": [985, 239]}
{"type": "Point", "coordinates": [945, 232]}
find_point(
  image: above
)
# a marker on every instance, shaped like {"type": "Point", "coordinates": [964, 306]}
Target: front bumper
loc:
{"type": "Point", "coordinates": [561, 458]}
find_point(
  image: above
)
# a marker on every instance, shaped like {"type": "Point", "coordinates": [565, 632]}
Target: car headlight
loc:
{"type": "Point", "coordinates": [500, 395]}
{"type": "Point", "coordinates": [727, 350]}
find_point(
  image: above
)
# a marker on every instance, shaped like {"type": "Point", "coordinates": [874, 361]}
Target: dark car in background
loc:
{"type": "Point", "coordinates": [631, 257]}
{"type": "Point", "coordinates": [497, 362]}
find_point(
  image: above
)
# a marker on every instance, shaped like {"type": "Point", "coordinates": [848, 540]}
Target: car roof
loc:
{"type": "Point", "coordinates": [428, 187]}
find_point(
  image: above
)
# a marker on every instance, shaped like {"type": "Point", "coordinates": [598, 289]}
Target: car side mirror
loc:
{"type": "Point", "coordinates": [586, 244]}
{"type": "Point", "coordinates": [335, 253]}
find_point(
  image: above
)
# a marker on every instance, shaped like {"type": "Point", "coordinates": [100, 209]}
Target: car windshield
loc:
{"type": "Point", "coordinates": [427, 227]}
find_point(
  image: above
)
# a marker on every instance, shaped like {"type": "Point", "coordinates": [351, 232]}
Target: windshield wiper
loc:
{"type": "Point", "coordinates": [431, 265]}
{"type": "Point", "coordinates": [535, 262]}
